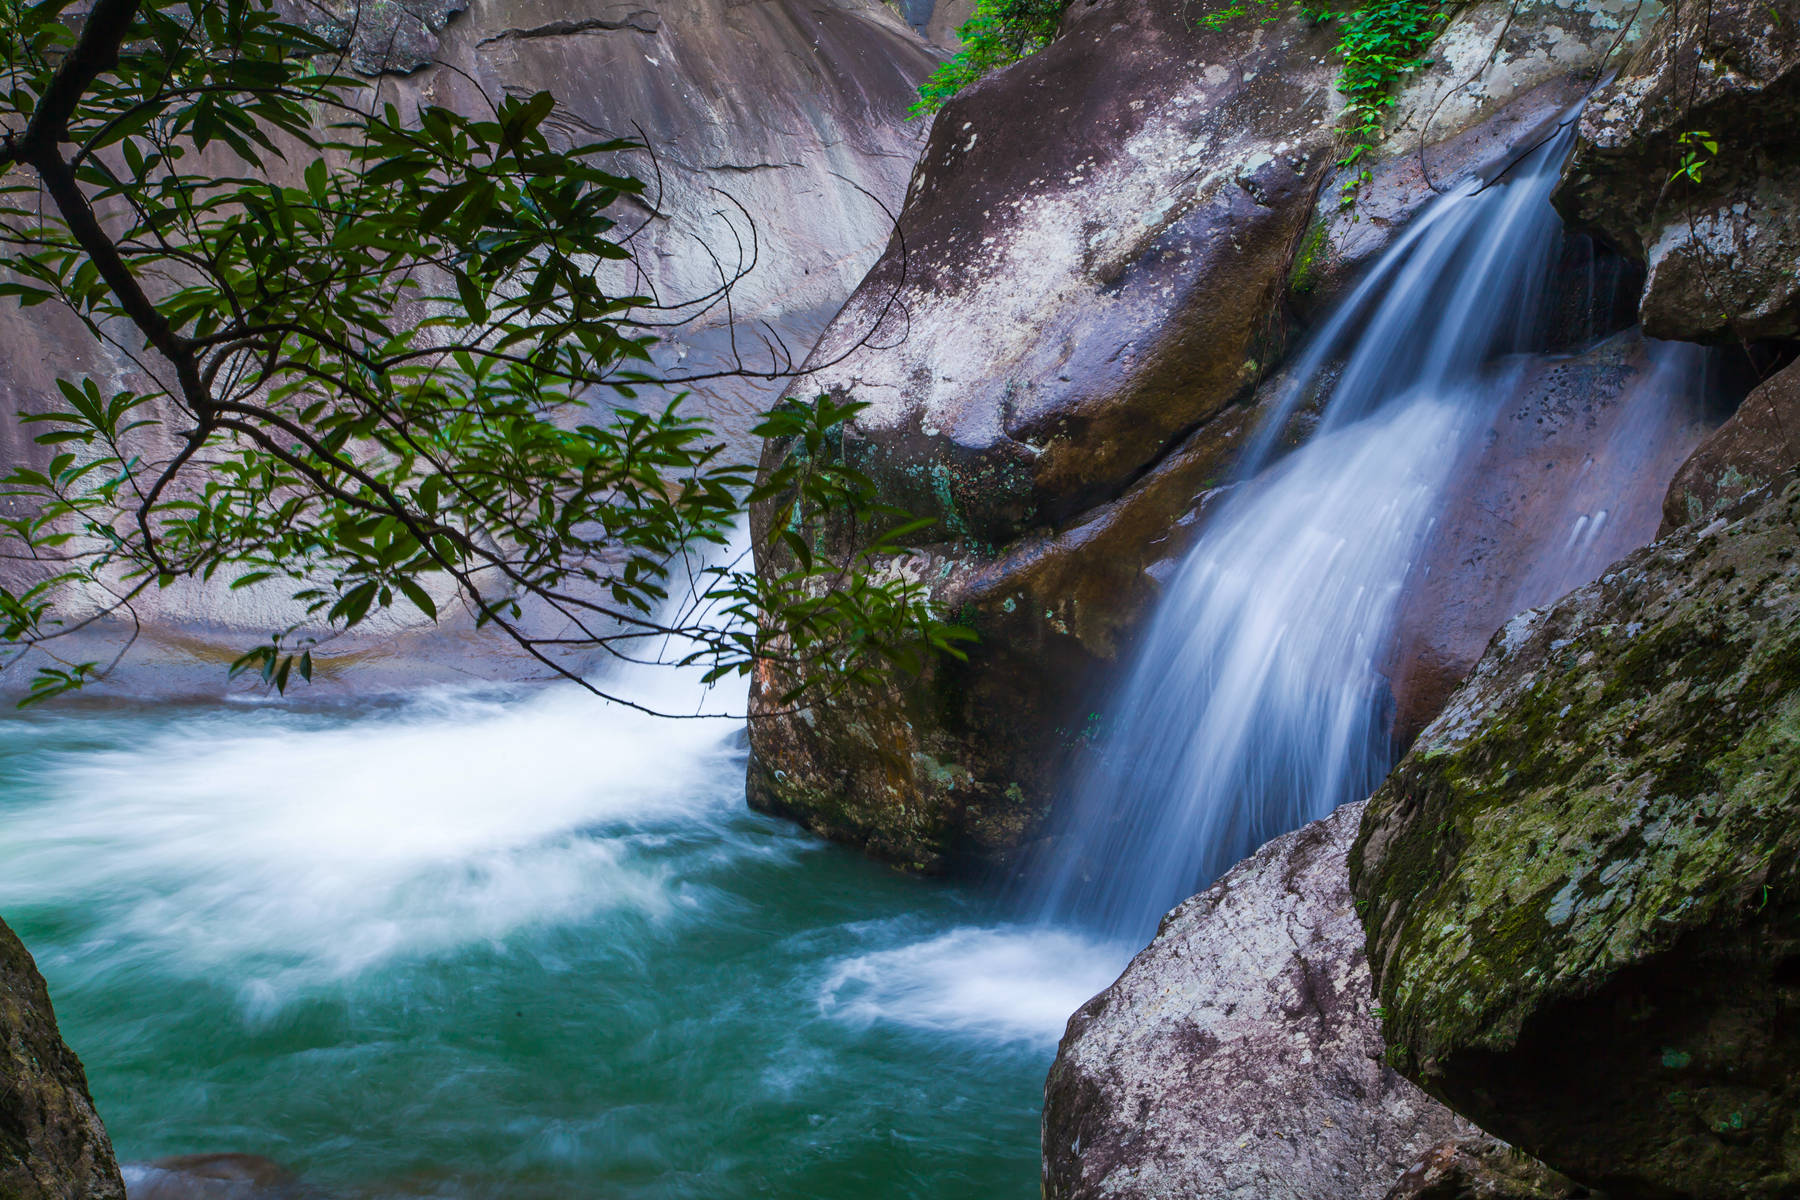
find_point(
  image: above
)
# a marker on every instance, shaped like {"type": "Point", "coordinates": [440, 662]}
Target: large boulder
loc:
{"type": "Point", "coordinates": [1084, 287]}
{"type": "Point", "coordinates": [1062, 353]}
{"type": "Point", "coordinates": [1582, 886]}
{"type": "Point", "coordinates": [1758, 443]}
{"type": "Point", "coordinates": [1239, 1056]}
{"type": "Point", "coordinates": [1721, 241]}
{"type": "Point", "coordinates": [52, 1145]}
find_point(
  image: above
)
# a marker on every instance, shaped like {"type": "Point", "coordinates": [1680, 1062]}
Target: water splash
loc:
{"type": "Point", "coordinates": [1011, 983]}
{"type": "Point", "coordinates": [302, 849]}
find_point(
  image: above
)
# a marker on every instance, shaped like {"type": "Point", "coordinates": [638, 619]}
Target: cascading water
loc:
{"type": "Point", "coordinates": [1258, 700]}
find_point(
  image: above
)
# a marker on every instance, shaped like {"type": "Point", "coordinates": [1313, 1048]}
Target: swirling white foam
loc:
{"type": "Point", "coordinates": [298, 849]}
{"type": "Point", "coordinates": [1016, 982]}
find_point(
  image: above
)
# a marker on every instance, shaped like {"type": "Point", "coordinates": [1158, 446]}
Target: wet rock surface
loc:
{"type": "Point", "coordinates": [52, 1145]}
{"type": "Point", "coordinates": [214, 1177]}
{"type": "Point", "coordinates": [1580, 885]}
{"type": "Point", "coordinates": [1720, 241]}
{"type": "Point", "coordinates": [1755, 446]}
{"type": "Point", "coordinates": [1093, 253]}
{"type": "Point", "coordinates": [1238, 1055]}
{"type": "Point", "coordinates": [1569, 479]}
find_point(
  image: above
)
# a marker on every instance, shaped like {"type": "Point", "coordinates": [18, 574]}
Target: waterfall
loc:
{"type": "Point", "coordinates": [1258, 699]}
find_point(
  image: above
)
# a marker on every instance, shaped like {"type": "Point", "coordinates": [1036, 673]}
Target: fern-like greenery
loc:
{"type": "Point", "coordinates": [1000, 32]}
{"type": "Point", "coordinates": [1382, 42]}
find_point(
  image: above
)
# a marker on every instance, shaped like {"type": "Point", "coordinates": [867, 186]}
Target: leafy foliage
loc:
{"type": "Point", "coordinates": [1698, 149]}
{"type": "Point", "coordinates": [384, 358]}
{"type": "Point", "coordinates": [1381, 43]}
{"type": "Point", "coordinates": [1000, 32]}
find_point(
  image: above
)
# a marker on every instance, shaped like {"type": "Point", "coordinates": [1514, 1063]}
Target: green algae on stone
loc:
{"type": "Point", "coordinates": [1582, 891]}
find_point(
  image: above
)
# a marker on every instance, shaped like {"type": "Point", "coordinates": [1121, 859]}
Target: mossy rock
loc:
{"type": "Point", "coordinates": [52, 1145]}
{"type": "Point", "coordinates": [1582, 886]}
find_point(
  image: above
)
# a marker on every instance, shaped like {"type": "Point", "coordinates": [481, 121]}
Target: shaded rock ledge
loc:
{"type": "Point", "coordinates": [1721, 241]}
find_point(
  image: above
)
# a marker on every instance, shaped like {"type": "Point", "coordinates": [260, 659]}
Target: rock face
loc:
{"type": "Point", "coordinates": [1581, 886]}
{"type": "Point", "coordinates": [1096, 253]}
{"type": "Point", "coordinates": [1238, 1055]}
{"type": "Point", "coordinates": [1759, 442]}
{"type": "Point", "coordinates": [52, 1145]}
{"type": "Point", "coordinates": [1569, 480]}
{"type": "Point", "coordinates": [1086, 284]}
{"type": "Point", "coordinates": [794, 110]}
{"type": "Point", "coordinates": [1720, 249]}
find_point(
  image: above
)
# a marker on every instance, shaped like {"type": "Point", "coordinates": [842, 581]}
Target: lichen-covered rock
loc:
{"type": "Point", "coordinates": [52, 1145]}
{"type": "Point", "coordinates": [1481, 1168]}
{"type": "Point", "coordinates": [1084, 289]}
{"type": "Point", "coordinates": [1721, 242]}
{"type": "Point", "coordinates": [1498, 79]}
{"type": "Point", "coordinates": [1758, 443]}
{"type": "Point", "coordinates": [1238, 1055]}
{"type": "Point", "coordinates": [1582, 885]}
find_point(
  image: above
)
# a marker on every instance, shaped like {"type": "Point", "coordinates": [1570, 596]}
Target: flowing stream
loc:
{"type": "Point", "coordinates": [1260, 698]}
{"type": "Point", "coordinates": [526, 944]}
{"type": "Point", "coordinates": [510, 947]}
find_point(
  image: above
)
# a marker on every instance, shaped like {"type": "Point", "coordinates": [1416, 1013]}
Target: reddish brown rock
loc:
{"type": "Point", "coordinates": [1758, 443]}
{"type": "Point", "coordinates": [215, 1177]}
{"type": "Point", "coordinates": [1569, 479]}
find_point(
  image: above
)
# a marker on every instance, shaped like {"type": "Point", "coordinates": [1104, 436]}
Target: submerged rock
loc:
{"type": "Point", "coordinates": [52, 1145]}
{"type": "Point", "coordinates": [1238, 1056]}
{"type": "Point", "coordinates": [1720, 239]}
{"type": "Point", "coordinates": [1757, 444]}
{"type": "Point", "coordinates": [1582, 886]}
{"type": "Point", "coordinates": [214, 1177]}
